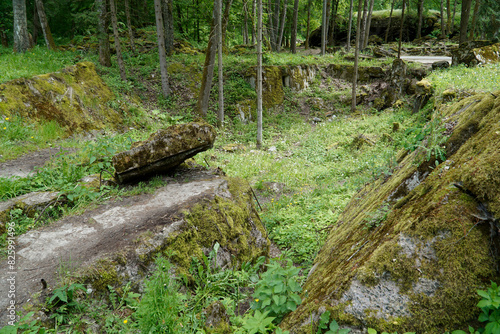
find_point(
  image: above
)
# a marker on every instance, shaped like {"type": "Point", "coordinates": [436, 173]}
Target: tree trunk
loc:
{"type": "Point", "coordinates": [464, 20]}
{"type": "Point", "coordinates": [102, 34]}
{"type": "Point", "coordinates": [119, 58]}
{"type": "Point", "coordinates": [356, 58]}
{"type": "Point", "coordinates": [349, 28]}
{"type": "Point", "coordinates": [37, 27]}
{"type": "Point", "coordinates": [179, 21]}
{"type": "Point", "coordinates": [21, 37]}
{"type": "Point", "coordinates": [245, 23]}
{"type": "Point", "coordinates": [47, 35]}
{"type": "Point", "coordinates": [448, 17]}
{"type": "Point", "coordinates": [363, 25]}
{"type": "Point", "coordinates": [420, 13]}
{"type": "Point", "coordinates": [308, 29]}
{"type": "Point", "coordinates": [389, 24]}
{"type": "Point", "coordinates": [323, 28]}
{"type": "Point", "coordinates": [160, 35]}
{"type": "Point", "coordinates": [333, 21]}
{"type": "Point", "coordinates": [208, 70]}
{"type": "Point", "coordinates": [129, 26]}
{"type": "Point", "coordinates": [453, 16]}
{"type": "Point", "coordinates": [276, 27]}
{"type": "Point", "coordinates": [443, 30]}
{"type": "Point", "coordinates": [293, 42]}
{"type": "Point", "coordinates": [368, 25]}
{"type": "Point", "coordinates": [253, 16]}
{"type": "Point", "coordinates": [220, 114]}
{"type": "Point", "coordinates": [282, 28]}
{"type": "Point", "coordinates": [259, 74]}
{"type": "Point", "coordinates": [168, 25]}
{"type": "Point", "coordinates": [225, 19]}
{"type": "Point", "coordinates": [3, 38]}
{"type": "Point", "coordinates": [474, 19]}
{"type": "Point", "coordinates": [401, 29]}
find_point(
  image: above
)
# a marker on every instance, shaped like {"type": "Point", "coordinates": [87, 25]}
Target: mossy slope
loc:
{"type": "Point", "coordinates": [76, 97]}
{"type": "Point", "coordinates": [418, 268]}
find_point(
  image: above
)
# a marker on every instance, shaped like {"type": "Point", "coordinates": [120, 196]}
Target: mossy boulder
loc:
{"type": "Point", "coordinates": [464, 54]}
{"type": "Point", "coordinates": [163, 151]}
{"type": "Point", "coordinates": [272, 84]}
{"type": "Point", "coordinates": [409, 253]}
{"type": "Point", "coordinates": [488, 54]}
{"type": "Point", "coordinates": [76, 97]}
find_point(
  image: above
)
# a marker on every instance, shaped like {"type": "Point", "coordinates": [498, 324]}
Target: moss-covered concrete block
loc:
{"type": "Point", "coordinates": [419, 266]}
{"type": "Point", "coordinates": [76, 97]}
{"type": "Point", "coordinates": [163, 151]}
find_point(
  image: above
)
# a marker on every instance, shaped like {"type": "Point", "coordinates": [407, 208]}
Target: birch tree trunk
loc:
{"type": "Point", "coordinates": [21, 38]}
{"type": "Point", "coordinates": [47, 35]}
{"type": "Point", "coordinates": [259, 74]}
{"type": "Point", "coordinates": [324, 28]}
{"type": "Point", "coordinates": [160, 36]}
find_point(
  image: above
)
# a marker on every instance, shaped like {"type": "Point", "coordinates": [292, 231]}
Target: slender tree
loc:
{"type": "Point", "coordinates": [464, 20]}
{"type": "Point", "coordinates": [401, 29]}
{"type": "Point", "coordinates": [21, 38]}
{"type": "Point", "coordinates": [443, 27]}
{"type": "Point", "coordinates": [253, 16]}
{"type": "Point", "coordinates": [390, 19]}
{"type": "Point", "coordinates": [208, 70]}
{"type": "Point", "coordinates": [160, 35]}
{"type": "Point", "coordinates": [368, 24]}
{"type": "Point", "coordinates": [220, 114]}
{"type": "Point", "coordinates": [102, 35]}
{"type": "Point", "coordinates": [349, 28]}
{"type": "Point", "coordinates": [356, 58]}
{"type": "Point", "coordinates": [282, 28]}
{"type": "Point", "coordinates": [259, 74]}
{"type": "Point", "coordinates": [168, 23]}
{"type": "Point", "coordinates": [119, 57]}
{"type": "Point", "coordinates": [448, 17]}
{"type": "Point", "coordinates": [324, 28]}
{"type": "Point", "coordinates": [453, 16]}
{"type": "Point", "coordinates": [474, 19]}
{"type": "Point", "coordinates": [129, 26]}
{"type": "Point", "coordinates": [47, 35]}
{"type": "Point", "coordinates": [293, 38]}
{"type": "Point", "coordinates": [420, 14]}
{"type": "Point", "coordinates": [363, 24]}
{"type": "Point", "coordinates": [308, 29]}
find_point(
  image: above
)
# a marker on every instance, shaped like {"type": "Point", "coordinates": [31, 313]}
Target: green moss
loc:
{"type": "Point", "coordinates": [100, 274]}
{"type": "Point", "coordinates": [428, 234]}
{"type": "Point", "coordinates": [76, 97]}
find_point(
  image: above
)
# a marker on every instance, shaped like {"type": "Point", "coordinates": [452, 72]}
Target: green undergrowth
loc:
{"type": "Point", "coordinates": [38, 60]}
{"type": "Point", "coordinates": [316, 167]}
{"type": "Point", "coordinates": [469, 79]}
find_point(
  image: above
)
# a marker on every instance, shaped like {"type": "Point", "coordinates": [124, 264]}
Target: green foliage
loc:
{"type": "Point", "coordinates": [258, 323]}
{"type": "Point", "coordinates": [277, 292]}
{"type": "Point", "coordinates": [490, 309]}
{"type": "Point", "coordinates": [373, 331]}
{"type": "Point", "coordinates": [158, 311]}
{"type": "Point", "coordinates": [63, 302]}
{"type": "Point", "coordinates": [333, 328]}
{"type": "Point", "coordinates": [432, 134]}
{"type": "Point", "coordinates": [24, 326]}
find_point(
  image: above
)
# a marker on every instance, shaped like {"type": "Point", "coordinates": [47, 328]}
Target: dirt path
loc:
{"type": "Point", "coordinates": [24, 165]}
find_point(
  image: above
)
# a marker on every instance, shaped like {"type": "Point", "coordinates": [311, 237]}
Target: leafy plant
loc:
{"type": "Point", "coordinates": [259, 323]}
{"type": "Point", "coordinates": [376, 218]}
{"type": "Point", "coordinates": [490, 309]}
{"type": "Point", "coordinates": [277, 291]}
{"type": "Point", "coordinates": [24, 326]}
{"type": "Point", "coordinates": [63, 302]}
{"type": "Point", "coordinates": [333, 328]}
{"type": "Point", "coordinates": [373, 331]}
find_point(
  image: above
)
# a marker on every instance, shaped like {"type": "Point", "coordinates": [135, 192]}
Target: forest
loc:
{"type": "Point", "coordinates": [325, 166]}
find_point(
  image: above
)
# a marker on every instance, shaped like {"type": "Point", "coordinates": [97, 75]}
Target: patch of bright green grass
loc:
{"type": "Point", "coordinates": [38, 60]}
{"type": "Point", "coordinates": [461, 78]}
{"type": "Point", "coordinates": [319, 167]}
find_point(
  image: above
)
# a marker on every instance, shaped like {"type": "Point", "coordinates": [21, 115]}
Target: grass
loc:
{"type": "Point", "coordinates": [462, 78]}
{"type": "Point", "coordinates": [38, 60]}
